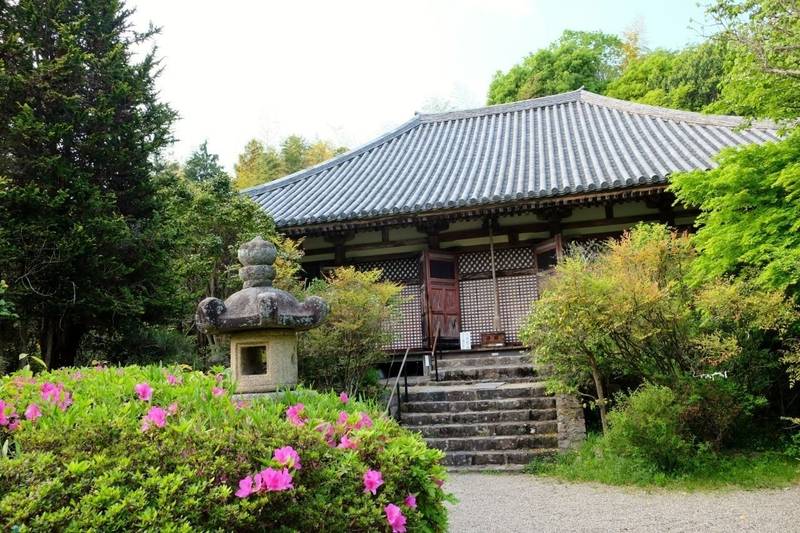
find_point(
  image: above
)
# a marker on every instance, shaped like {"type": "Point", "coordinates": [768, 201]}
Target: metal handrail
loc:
{"type": "Point", "coordinates": [396, 387]}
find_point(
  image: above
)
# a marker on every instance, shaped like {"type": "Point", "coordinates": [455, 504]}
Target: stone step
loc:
{"type": "Point", "coordinates": [461, 392]}
{"type": "Point", "coordinates": [483, 360]}
{"type": "Point", "coordinates": [487, 429]}
{"type": "Point", "coordinates": [538, 402]}
{"type": "Point", "coordinates": [495, 442]}
{"type": "Point", "coordinates": [487, 373]}
{"type": "Point", "coordinates": [490, 459]}
{"type": "Point", "coordinates": [477, 417]}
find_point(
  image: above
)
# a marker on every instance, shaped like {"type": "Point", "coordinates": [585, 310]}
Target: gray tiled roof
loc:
{"type": "Point", "coordinates": [569, 143]}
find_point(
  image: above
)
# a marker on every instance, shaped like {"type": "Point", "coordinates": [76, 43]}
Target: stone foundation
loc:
{"type": "Point", "coordinates": [571, 425]}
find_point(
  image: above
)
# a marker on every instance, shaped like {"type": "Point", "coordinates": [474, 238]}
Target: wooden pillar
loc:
{"type": "Point", "coordinates": [338, 240]}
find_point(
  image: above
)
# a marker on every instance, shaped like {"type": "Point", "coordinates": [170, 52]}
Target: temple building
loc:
{"type": "Point", "coordinates": [468, 209]}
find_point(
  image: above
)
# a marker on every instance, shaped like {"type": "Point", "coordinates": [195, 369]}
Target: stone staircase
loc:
{"type": "Point", "coordinates": [489, 411]}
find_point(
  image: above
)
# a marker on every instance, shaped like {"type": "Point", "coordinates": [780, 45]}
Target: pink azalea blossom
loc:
{"type": "Point", "coordinates": [65, 401]}
{"type": "Point", "coordinates": [346, 443]}
{"type": "Point", "coordinates": [364, 421]}
{"type": "Point", "coordinates": [173, 380]}
{"type": "Point", "coordinates": [51, 391]}
{"type": "Point", "coordinates": [172, 408]}
{"type": "Point", "coordinates": [326, 428]}
{"type": "Point", "coordinates": [372, 480]}
{"type": "Point", "coordinates": [245, 487]}
{"type": "Point", "coordinates": [276, 480]}
{"type": "Point", "coordinates": [217, 391]}
{"type": "Point", "coordinates": [342, 418]}
{"type": "Point", "coordinates": [241, 404]}
{"type": "Point", "coordinates": [5, 417]}
{"type": "Point", "coordinates": [156, 416]}
{"type": "Point", "coordinates": [287, 456]}
{"type": "Point", "coordinates": [344, 397]}
{"type": "Point", "coordinates": [438, 482]}
{"type": "Point", "coordinates": [32, 412]}
{"type": "Point", "coordinates": [293, 414]}
{"type": "Point", "coordinates": [77, 376]}
{"type": "Point", "coordinates": [411, 501]}
{"type": "Point", "coordinates": [219, 378]}
{"type": "Point", "coordinates": [14, 424]}
{"type": "Point", "coordinates": [144, 391]}
{"type": "Point", "coordinates": [395, 518]}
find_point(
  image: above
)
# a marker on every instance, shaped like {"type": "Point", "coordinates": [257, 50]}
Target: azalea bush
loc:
{"type": "Point", "coordinates": [145, 448]}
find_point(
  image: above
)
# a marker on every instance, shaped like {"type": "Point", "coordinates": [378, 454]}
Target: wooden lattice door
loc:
{"type": "Point", "coordinates": [442, 306]}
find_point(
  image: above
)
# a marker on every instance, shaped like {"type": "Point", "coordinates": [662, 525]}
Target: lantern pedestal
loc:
{"type": "Point", "coordinates": [263, 361]}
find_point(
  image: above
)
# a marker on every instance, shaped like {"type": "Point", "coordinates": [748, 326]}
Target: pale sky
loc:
{"type": "Point", "coordinates": [350, 70]}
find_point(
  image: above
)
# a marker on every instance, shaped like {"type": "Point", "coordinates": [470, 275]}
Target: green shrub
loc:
{"type": "Point", "coordinates": [95, 465]}
{"type": "Point", "coordinates": [648, 424]}
{"type": "Point", "coordinates": [713, 409]}
{"type": "Point", "coordinates": [352, 340]}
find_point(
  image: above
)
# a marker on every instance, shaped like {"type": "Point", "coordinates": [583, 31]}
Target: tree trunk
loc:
{"type": "Point", "coordinates": [601, 393]}
{"type": "Point", "coordinates": [65, 344]}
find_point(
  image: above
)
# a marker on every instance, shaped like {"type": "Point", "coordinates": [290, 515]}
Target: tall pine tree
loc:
{"type": "Point", "coordinates": [80, 125]}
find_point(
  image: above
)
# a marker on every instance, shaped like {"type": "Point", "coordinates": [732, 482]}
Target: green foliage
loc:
{"type": "Point", "coordinates": [6, 308]}
{"type": "Point", "coordinates": [688, 79]}
{"type": "Point", "coordinates": [753, 470]}
{"type": "Point", "coordinates": [625, 310]}
{"type": "Point", "coordinates": [91, 467]}
{"type": "Point", "coordinates": [259, 163]}
{"type": "Point", "coordinates": [80, 123]}
{"type": "Point", "coordinates": [648, 425]}
{"type": "Point", "coordinates": [750, 214]}
{"type": "Point", "coordinates": [203, 166]}
{"type": "Point", "coordinates": [763, 72]}
{"type": "Point", "coordinates": [340, 352]}
{"type": "Point", "coordinates": [577, 59]}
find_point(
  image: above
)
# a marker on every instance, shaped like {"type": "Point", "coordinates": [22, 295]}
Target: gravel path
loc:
{"type": "Point", "coordinates": [517, 502]}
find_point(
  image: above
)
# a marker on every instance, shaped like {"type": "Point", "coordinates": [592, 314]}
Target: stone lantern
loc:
{"type": "Point", "coordinates": [262, 322]}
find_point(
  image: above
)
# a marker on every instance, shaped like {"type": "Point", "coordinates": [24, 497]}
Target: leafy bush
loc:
{"type": "Point", "coordinates": [145, 448]}
{"type": "Point", "coordinates": [340, 352]}
{"type": "Point", "coordinates": [714, 408]}
{"type": "Point", "coordinates": [648, 425]}
{"type": "Point", "coordinates": [625, 309]}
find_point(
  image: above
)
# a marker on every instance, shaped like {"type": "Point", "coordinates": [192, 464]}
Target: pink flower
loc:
{"type": "Point", "coordinates": [395, 518]}
{"type": "Point", "coordinates": [77, 376]}
{"type": "Point", "coordinates": [347, 443]}
{"type": "Point", "coordinates": [326, 428]}
{"type": "Point", "coordinates": [372, 480]}
{"type": "Point", "coordinates": [156, 416]}
{"type": "Point", "coordinates": [276, 480]}
{"type": "Point", "coordinates": [293, 414]}
{"type": "Point", "coordinates": [344, 397]}
{"type": "Point", "coordinates": [6, 413]}
{"type": "Point", "coordinates": [241, 404]}
{"type": "Point", "coordinates": [14, 424]}
{"type": "Point", "coordinates": [219, 378]}
{"type": "Point", "coordinates": [411, 501]}
{"type": "Point", "coordinates": [217, 391]}
{"type": "Point", "coordinates": [32, 412]}
{"type": "Point", "coordinates": [245, 487]}
{"type": "Point", "coordinates": [364, 421]}
{"type": "Point", "coordinates": [144, 391]}
{"type": "Point", "coordinates": [173, 380]}
{"type": "Point", "coordinates": [65, 401]}
{"type": "Point", "coordinates": [51, 391]}
{"type": "Point", "coordinates": [287, 456]}
{"type": "Point", "coordinates": [438, 482]}
{"type": "Point", "coordinates": [172, 408]}
{"type": "Point", "coordinates": [342, 418]}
